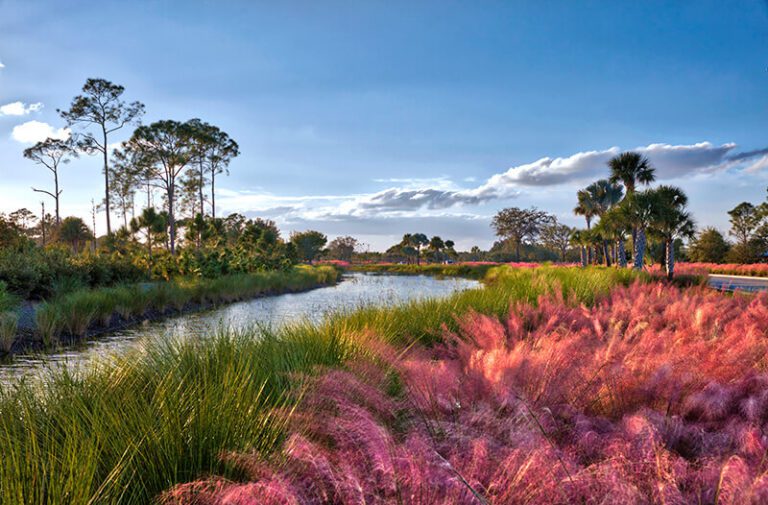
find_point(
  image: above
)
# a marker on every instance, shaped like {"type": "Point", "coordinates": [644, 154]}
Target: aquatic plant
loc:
{"type": "Point", "coordinates": [49, 323]}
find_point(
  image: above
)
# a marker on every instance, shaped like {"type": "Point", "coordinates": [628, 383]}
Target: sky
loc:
{"type": "Point", "coordinates": [379, 118]}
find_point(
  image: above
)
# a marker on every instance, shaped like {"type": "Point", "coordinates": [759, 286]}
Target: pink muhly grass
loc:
{"type": "Point", "coordinates": [750, 269]}
{"type": "Point", "coordinates": [653, 395]}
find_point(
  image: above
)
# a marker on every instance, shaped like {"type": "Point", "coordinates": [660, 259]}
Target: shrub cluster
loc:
{"type": "Point", "coordinates": [37, 273]}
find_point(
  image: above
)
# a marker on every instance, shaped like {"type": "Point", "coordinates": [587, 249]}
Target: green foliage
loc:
{"type": "Point", "coordinates": [631, 169]}
{"type": "Point", "coordinates": [49, 322]}
{"type": "Point", "coordinates": [7, 300]}
{"type": "Point", "coordinates": [709, 246]}
{"type": "Point", "coordinates": [308, 244]}
{"type": "Point", "coordinates": [520, 226]}
{"type": "Point", "coordinates": [342, 248]}
{"type": "Point", "coordinates": [75, 232]}
{"type": "Point", "coordinates": [38, 273]}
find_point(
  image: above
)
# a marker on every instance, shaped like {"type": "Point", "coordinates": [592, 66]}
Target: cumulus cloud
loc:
{"type": "Point", "coordinates": [37, 131]}
{"type": "Point", "coordinates": [671, 161]}
{"type": "Point", "coordinates": [414, 199]}
{"type": "Point", "coordinates": [1, 65]}
{"type": "Point", "coordinates": [19, 108]}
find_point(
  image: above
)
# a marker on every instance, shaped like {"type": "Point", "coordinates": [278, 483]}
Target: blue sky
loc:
{"type": "Point", "coordinates": [380, 118]}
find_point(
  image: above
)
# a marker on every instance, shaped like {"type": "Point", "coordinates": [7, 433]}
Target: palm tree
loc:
{"type": "Point", "coordinates": [614, 227]}
{"type": "Point", "coordinates": [578, 239]}
{"type": "Point", "coordinates": [75, 231]}
{"type": "Point", "coordinates": [637, 211]}
{"type": "Point", "coordinates": [588, 207]}
{"type": "Point", "coordinates": [671, 221]}
{"type": "Point", "coordinates": [606, 195]}
{"type": "Point", "coordinates": [631, 169]}
{"type": "Point", "coordinates": [417, 241]}
{"type": "Point", "coordinates": [152, 223]}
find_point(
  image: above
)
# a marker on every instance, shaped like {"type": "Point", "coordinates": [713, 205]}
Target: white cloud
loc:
{"type": "Point", "coordinates": [671, 161]}
{"type": "Point", "coordinates": [19, 108]}
{"type": "Point", "coordinates": [37, 131]}
{"type": "Point", "coordinates": [1, 65]}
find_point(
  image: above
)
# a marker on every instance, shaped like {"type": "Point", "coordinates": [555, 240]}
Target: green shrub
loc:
{"type": "Point", "coordinates": [7, 300]}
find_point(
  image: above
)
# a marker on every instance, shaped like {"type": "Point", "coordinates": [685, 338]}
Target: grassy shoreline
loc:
{"type": "Point", "coordinates": [90, 312]}
{"type": "Point", "coordinates": [136, 425]}
{"type": "Point", "coordinates": [470, 271]}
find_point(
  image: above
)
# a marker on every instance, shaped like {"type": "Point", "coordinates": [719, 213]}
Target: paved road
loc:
{"type": "Point", "coordinates": [734, 282]}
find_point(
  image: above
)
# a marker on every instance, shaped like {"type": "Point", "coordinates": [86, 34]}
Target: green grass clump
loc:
{"type": "Point", "coordinates": [49, 322]}
{"type": "Point", "coordinates": [133, 426]}
{"type": "Point", "coordinates": [9, 323]}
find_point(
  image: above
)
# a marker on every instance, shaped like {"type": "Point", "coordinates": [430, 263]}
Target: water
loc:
{"type": "Point", "coordinates": [355, 291]}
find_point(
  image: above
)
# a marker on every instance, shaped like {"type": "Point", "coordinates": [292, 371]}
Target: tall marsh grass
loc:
{"type": "Point", "coordinates": [9, 322]}
{"type": "Point", "coordinates": [134, 426]}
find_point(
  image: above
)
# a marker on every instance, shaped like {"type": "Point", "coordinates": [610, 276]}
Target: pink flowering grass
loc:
{"type": "Point", "coordinates": [752, 269]}
{"type": "Point", "coordinates": [336, 263]}
{"type": "Point", "coordinates": [654, 394]}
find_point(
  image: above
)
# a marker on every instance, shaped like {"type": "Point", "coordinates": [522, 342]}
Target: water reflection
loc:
{"type": "Point", "coordinates": [357, 290]}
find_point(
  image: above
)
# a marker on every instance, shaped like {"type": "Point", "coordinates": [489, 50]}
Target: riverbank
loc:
{"type": "Point", "coordinates": [475, 271]}
{"type": "Point", "coordinates": [165, 413]}
{"type": "Point", "coordinates": [89, 313]}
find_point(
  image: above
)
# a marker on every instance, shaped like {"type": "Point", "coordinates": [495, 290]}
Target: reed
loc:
{"type": "Point", "coordinates": [8, 326]}
{"type": "Point", "coordinates": [49, 322]}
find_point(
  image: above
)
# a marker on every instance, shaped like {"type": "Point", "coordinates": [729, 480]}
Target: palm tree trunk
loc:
{"type": "Point", "coordinates": [670, 259]}
{"type": "Point", "coordinates": [639, 252]}
{"type": "Point", "coordinates": [583, 256]}
{"type": "Point", "coordinates": [607, 253]}
{"type": "Point", "coordinates": [621, 256]}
